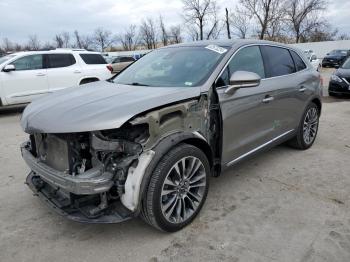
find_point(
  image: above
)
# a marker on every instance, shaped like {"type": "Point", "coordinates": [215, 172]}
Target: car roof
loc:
{"type": "Point", "coordinates": [227, 43]}
{"type": "Point", "coordinates": [56, 51]}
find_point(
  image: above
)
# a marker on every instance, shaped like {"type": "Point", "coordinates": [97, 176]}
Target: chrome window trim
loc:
{"type": "Point", "coordinates": [266, 78]}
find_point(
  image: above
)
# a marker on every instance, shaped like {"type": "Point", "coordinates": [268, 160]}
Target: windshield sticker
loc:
{"type": "Point", "coordinates": [188, 83]}
{"type": "Point", "coordinates": [216, 49]}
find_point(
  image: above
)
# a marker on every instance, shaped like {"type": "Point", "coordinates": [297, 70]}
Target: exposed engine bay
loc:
{"type": "Point", "coordinates": [97, 176]}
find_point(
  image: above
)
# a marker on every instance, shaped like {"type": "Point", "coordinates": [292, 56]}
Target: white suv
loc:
{"type": "Point", "coordinates": [25, 76]}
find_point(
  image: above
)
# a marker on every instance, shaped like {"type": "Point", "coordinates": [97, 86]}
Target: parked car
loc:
{"type": "Point", "coordinates": [312, 57]}
{"type": "Point", "coordinates": [145, 142]}
{"type": "Point", "coordinates": [25, 76]}
{"type": "Point", "coordinates": [121, 62]}
{"type": "Point", "coordinates": [339, 83]}
{"type": "Point", "coordinates": [335, 58]}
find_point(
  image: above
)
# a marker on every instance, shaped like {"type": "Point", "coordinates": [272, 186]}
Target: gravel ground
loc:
{"type": "Point", "coordinates": [283, 205]}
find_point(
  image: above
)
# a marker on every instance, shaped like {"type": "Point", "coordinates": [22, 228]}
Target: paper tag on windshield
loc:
{"type": "Point", "coordinates": [216, 49]}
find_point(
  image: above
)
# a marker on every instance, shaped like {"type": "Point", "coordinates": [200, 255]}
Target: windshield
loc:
{"type": "Point", "coordinates": [339, 52]}
{"type": "Point", "coordinates": [5, 58]}
{"type": "Point", "coordinates": [173, 67]}
{"type": "Point", "coordinates": [346, 64]}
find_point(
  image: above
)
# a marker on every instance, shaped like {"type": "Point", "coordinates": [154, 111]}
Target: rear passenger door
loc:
{"type": "Point", "coordinates": [287, 85]}
{"type": "Point", "coordinates": [62, 71]}
{"type": "Point", "coordinates": [248, 113]}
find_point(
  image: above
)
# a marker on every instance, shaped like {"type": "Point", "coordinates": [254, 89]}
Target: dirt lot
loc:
{"type": "Point", "coordinates": [284, 205]}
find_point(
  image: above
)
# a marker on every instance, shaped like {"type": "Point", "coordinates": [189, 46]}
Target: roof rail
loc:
{"type": "Point", "coordinates": [71, 49]}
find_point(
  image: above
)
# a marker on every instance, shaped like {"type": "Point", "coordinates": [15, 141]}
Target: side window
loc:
{"type": "Point", "coordinates": [299, 63]}
{"type": "Point", "coordinates": [278, 61]}
{"type": "Point", "coordinates": [247, 59]}
{"type": "Point", "coordinates": [30, 62]}
{"type": "Point", "coordinates": [224, 79]}
{"type": "Point", "coordinates": [117, 60]}
{"type": "Point", "coordinates": [126, 59]}
{"type": "Point", "coordinates": [93, 59]}
{"type": "Point", "coordinates": [60, 60]}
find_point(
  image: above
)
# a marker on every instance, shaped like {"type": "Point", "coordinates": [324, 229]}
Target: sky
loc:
{"type": "Point", "coordinates": [45, 18]}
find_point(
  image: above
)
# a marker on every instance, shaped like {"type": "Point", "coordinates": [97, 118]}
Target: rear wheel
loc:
{"type": "Point", "coordinates": [178, 188]}
{"type": "Point", "coordinates": [308, 128]}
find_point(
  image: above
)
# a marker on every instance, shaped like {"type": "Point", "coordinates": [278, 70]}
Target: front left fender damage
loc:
{"type": "Point", "coordinates": [123, 154]}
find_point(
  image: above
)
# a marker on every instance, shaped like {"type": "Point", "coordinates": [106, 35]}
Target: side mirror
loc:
{"type": "Point", "coordinates": [242, 79]}
{"type": "Point", "coordinates": [9, 68]}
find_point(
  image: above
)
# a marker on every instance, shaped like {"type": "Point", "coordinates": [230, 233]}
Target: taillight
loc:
{"type": "Point", "coordinates": [110, 68]}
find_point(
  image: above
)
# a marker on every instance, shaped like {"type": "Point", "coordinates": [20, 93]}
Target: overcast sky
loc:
{"type": "Point", "coordinates": [20, 18]}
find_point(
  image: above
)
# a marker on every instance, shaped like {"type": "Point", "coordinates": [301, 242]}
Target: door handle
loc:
{"type": "Point", "coordinates": [77, 72]}
{"type": "Point", "coordinates": [268, 99]}
{"type": "Point", "coordinates": [40, 74]}
{"type": "Point", "coordinates": [302, 89]}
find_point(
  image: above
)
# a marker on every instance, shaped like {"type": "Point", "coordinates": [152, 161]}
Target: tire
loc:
{"type": "Point", "coordinates": [312, 115]}
{"type": "Point", "coordinates": [331, 93]}
{"type": "Point", "coordinates": [177, 207]}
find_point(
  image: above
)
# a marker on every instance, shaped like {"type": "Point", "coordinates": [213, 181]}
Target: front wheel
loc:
{"type": "Point", "coordinates": [177, 189]}
{"type": "Point", "coordinates": [308, 128]}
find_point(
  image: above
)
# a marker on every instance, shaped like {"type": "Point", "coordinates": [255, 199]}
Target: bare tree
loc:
{"type": "Point", "coordinates": [58, 39]}
{"type": "Point", "coordinates": [322, 32]}
{"type": "Point", "coordinates": [163, 31]}
{"type": "Point", "coordinates": [216, 27]}
{"type": "Point", "coordinates": [102, 39]}
{"type": "Point", "coordinates": [200, 14]}
{"type": "Point", "coordinates": [240, 22]}
{"type": "Point", "coordinates": [148, 33]}
{"type": "Point", "coordinates": [266, 12]}
{"type": "Point", "coordinates": [175, 34]}
{"type": "Point", "coordinates": [17, 47]}
{"type": "Point", "coordinates": [129, 39]}
{"type": "Point", "coordinates": [82, 42]}
{"type": "Point", "coordinates": [33, 43]}
{"type": "Point", "coordinates": [7, 45]}
{"type": "Point", "coordinates": [66, 39]}
{"type": "Point", "coordinates": [299, 13]}
{"type": "Point", "coordinates": [48, 46]}
{"type": "Point", "coordinates": [227, 20]}
{"type": "Point", "coordinates": [343, 36]}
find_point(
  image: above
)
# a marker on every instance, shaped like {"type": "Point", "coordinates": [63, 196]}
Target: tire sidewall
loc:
{"type": "Point", "coordinates": [163, 169]}
{"type": "Point", "coordinates": [301, 131]}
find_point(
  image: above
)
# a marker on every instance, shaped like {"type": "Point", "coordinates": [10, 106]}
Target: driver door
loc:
{"type": "Point", "coordinates": [27, 82]}
{"type": "Point", "coordinates": [248, 113]}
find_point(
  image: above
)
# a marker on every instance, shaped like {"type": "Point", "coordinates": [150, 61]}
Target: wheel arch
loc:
{"type": "Point", "coordinates": [164, 146]}
{"type": "Point", "coordinates": [318, 103]}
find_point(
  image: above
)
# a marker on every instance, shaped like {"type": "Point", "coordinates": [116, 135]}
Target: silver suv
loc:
{"type": "Point", "coordinates": [146, 142]}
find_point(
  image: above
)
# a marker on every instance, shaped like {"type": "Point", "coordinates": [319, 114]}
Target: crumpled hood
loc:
{"type": "Point", "coordinates": [97, 106]}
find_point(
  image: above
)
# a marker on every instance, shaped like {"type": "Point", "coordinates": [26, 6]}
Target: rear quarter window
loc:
{"type": "Point", "coordinates": [93, 59]}
{"type": "Point", "coordinates": [278, 61]}
{"type": "Point", "coordinates": [299, 63]}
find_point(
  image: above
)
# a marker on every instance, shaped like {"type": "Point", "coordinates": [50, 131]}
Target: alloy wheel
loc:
{"type": "Point", "coordinates": [310, 125]}
{"type": "Point", "coordinates": [183, 189]}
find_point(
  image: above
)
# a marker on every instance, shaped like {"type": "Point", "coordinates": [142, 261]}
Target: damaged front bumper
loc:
{"type": "Point", "coordinates": [79, 198]}
{"type": "Point", "coordinates": [93, 181]}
